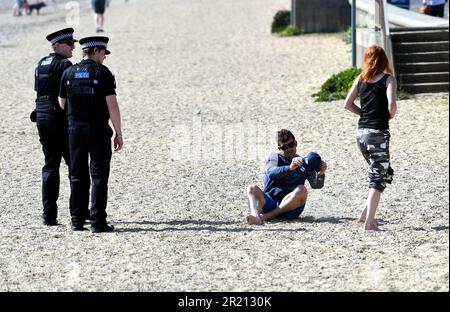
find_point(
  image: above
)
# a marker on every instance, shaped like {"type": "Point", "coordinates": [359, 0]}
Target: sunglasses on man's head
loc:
{"type": "Point", "coordinates": [285, 147]}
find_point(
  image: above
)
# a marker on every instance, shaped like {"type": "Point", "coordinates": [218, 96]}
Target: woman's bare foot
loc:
{"type": "Point", "coordinates": [377, 223]}
{"type": "Point", "coordinates": [362, 217]}
{"type": "Point", "coordinates": [371, 226]}
{"type": "Point", "coordinates": [252, 220]}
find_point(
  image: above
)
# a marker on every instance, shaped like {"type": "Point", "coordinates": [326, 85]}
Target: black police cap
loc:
{"type": "Point", "coordinates": [95, 42]}
{"type": "Point", "coordinates": [65, 34]}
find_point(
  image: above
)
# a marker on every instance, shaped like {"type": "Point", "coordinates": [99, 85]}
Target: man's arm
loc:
{"type": "Point", "coordinates": [114, 114]}
{"type": "Point", "coordinates": [272, 170]}
{"type": "Point", "coordinates": [109, 90]}
{"type": "Point", "coordinates": [62, 92]}
{"type": "Point", "coordinates": [62, 102]}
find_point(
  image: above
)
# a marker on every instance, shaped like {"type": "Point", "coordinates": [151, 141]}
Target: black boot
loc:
{"type": "Point", "coordinates": [99, 228]}
{"type": "Point", "coordinates": [49, 222]}
{"type": "Point", "coordinates": [77, 227]}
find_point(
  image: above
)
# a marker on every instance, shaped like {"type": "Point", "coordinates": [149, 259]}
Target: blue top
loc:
{"type": "Point", "coordinates": [279, 180]}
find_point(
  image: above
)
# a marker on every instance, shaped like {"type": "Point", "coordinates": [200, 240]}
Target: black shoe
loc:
{"type": "Point", "coordinates": [102, 228]}
{"type": "Point", "coordinates": [77, 227]}
{"type": "Point", "coordinates": [49, 222]}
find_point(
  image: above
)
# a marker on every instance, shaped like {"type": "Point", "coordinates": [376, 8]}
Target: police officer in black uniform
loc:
{"type": "Point", "coordinates": [88, 96]}
{"type": "Point", "coordinates": [50, 118]}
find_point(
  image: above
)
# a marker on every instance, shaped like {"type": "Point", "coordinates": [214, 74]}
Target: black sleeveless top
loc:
{"type": "Point", "coordinates": [374, 104]}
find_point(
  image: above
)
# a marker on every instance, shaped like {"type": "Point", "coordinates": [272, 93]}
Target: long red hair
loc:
{"type": "Point", "coordinates": [375, 62]}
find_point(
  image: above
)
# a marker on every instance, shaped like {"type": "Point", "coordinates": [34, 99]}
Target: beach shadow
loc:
{"type": "Point", "coordinates": [200, 225]}
{"type": "Point", "coordinates": [334, 220]}
{"type": "Point", "coordinates": [440, 228]}
{"type": "Point", "coordinates": [179, 222]}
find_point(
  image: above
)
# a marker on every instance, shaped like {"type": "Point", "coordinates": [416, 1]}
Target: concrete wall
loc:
{"type": "Point", "coordinates": [365, 10]}
{"type": "Point", "coordinates": [365, 37]}
{"type": "Point", "coordinates": [397, 17]}
{"type": "Point", "coordinates": [321, 15]}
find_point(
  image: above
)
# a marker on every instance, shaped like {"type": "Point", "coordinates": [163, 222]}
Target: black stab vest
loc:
{"type": "Point", "coordinates": [82, 88]}
{"type": "Point", "coordinates": [47, 83]}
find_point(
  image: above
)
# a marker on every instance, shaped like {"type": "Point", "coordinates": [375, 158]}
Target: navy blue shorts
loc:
{"type": "Point", "coordinates": [272, 204]}
{"type": "Point", "coordinates": [99, 6]}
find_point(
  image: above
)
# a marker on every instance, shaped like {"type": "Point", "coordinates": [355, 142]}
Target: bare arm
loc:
{"type": "Point", "coordinates": [62, 102]}
{"type": "Point", "coordinates": [114, 114]}
{"type": "Point", "coordinates": [391, 93]}
{"type": "Point", "coordinates": [351, 97]}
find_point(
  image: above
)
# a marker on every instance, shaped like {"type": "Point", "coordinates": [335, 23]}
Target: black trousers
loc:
{"type": "Point", "coordinates": [92, 140]}
{"type": "Point", "coordinates": [52, 128]}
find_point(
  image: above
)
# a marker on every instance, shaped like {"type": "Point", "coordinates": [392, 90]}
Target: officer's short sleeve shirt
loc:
{"type": "Point", "coordinates": [62, 66]}
{"type": "Point", "coordinates": [62, 87]}
{"type": "Point", "coordinates": [107, 82]}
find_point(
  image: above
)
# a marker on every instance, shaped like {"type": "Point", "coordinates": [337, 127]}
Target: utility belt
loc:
{"type": "Point", "coordinates": [95, 121]}
{"type": "Point", "coordinates": [45, 104]}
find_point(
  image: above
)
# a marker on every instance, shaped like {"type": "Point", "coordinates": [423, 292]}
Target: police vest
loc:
{"type": "Point", "coordinates": [47, 83]}
{"type": "Point", "coordinates": [83, 94]}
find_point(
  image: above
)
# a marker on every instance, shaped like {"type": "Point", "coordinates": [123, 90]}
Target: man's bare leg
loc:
{"type": "Point", "coordinates": [373, 199]}
{"type": "Point", "coordinates": [291, 201]}
{"type": "Point", "coordinates": [256, 201]}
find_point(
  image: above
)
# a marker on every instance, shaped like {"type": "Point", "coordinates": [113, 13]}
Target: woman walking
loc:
{"type": "Point", "coordinates": [377, 89]}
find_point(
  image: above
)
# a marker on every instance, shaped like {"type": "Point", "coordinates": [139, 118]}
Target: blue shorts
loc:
{"type": "Point", "coordinates": [99, 6]}
{"type": "Point", "coordinates": [272, 204]}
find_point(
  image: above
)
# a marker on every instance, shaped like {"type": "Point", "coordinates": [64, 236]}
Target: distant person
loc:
{"type": "Point", "coordinates": [284, 195]}
{"type": "Point", "coordinates": [18, 6]}
{"type": "Point", "coordinates": [88, 94]}
{"type": "Point", "coordinates": [99, 7]}
{"type": "Point", "coordinates": [434, 7]}
{"type": "Point", "coordinates": [50, 118]}
{"type": "Point", "coordinates": [376, 87]}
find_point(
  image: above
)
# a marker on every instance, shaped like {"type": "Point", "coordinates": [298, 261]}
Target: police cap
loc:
{"type": "Point", "coordinates": [65, 34]}
{"type": "Point", "coordinates": [95, 42]}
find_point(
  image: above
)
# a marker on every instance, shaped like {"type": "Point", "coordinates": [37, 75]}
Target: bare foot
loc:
{"type": "Point", "coordinates": [362, 217]}
{"type": "Point", "coordinates": [377, 223]}
{"type": "Point", "coordinates": [371, 226]}
{"type": "Point", "coordinates": [252, 220]}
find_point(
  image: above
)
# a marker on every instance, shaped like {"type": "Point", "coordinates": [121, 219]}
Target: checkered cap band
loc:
{"type": "Point", "coordinates": [94, 44]}
{"type": "Point", "coordinates": [61, 37]}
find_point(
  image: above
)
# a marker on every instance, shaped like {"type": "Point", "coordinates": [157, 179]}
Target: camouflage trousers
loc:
{"type": "Point", "coordinates": [374, 146]}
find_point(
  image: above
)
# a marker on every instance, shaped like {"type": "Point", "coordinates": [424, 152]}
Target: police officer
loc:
{"type": "Point", "coordinates": [50, 118]}
{"type": "Point", "coordinates": [88, 96]}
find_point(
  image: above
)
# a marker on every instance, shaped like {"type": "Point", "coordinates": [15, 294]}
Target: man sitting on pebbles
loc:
{"type": "Point", "coordinates": [285, 172]}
